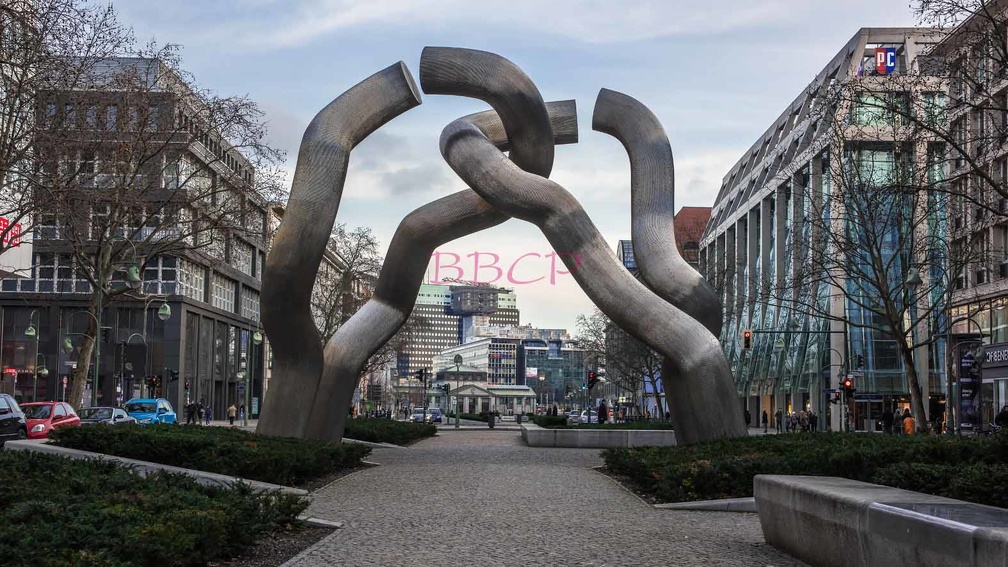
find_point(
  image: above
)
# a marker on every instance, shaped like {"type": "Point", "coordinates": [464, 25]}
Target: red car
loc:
{"type": "Point", "coordinates": [43, 417]}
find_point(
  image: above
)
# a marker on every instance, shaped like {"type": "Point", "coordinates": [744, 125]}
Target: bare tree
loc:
{"type": "Point", "coordinates": [346, 282]}
{"type": "Point", "coordinates": [628, 362]}
{"type": "Point", "coordinates": [45, 46]}
{"type": "Point", "coordinates": [137, 163]}
{"type": "Point", "coordinates": [875, 235]}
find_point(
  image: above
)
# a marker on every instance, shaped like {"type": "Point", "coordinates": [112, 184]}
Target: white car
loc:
{"type": "Point", "coordinates": [594, 417]}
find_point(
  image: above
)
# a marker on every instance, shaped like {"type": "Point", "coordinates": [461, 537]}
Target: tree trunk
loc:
{"type": "Point", "coordinates": [79, 378]}
{"type": "Point", "coordinates": [916, 396]}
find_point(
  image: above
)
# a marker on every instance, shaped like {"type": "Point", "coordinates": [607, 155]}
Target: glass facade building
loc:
{"type": "Point", "coordinates": [779, 202]}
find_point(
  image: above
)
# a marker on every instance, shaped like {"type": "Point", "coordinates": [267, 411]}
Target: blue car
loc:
{"type": "Point", "coordinates": [151, 410]}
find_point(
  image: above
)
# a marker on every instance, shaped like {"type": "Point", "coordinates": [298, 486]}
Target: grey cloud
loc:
{"type": "Point", "coordinates": [422, 178]}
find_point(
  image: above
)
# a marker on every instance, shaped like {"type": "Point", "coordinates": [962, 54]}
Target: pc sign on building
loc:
{"type": "Point", "coordinates": [885, 60]}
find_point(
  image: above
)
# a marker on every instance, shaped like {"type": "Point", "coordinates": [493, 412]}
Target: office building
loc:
{"type": "Point", "coordinates": [763, 219]}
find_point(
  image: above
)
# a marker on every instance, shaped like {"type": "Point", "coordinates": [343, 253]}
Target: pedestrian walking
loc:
{"type": "Point", "coordinates": [887, 421]}
{"type": "Point", "coordinates": [199, 412]}
{"type": "Point", "coordinates": [909, 424]}
{"type": "Point", "coordinates": [803, 420]}
{"type": "Point", "coordinates": [898, 422]}
{"type": "Point", "coordinates": [603, 412]}
{"type": "Point", "coordinates": [232, 411]}
{"type": "Point", "coordinates": [241, 413]}
{"type": "Point", "coordinates": [1002, 417]}
{"type": "Point", "coordinates": [777, 422]}
{"type": "Point", "coordinates": [209, 415]}
{"type": "Point", "coordinates": [766, 421]}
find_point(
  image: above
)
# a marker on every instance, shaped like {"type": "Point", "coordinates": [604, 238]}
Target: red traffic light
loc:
{"type": "Point", "coordinates": [848, 384]}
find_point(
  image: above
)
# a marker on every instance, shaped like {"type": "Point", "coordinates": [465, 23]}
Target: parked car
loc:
{"type": "Point", "coordinates": [13, 423]}
{"type": "Point", "coordinates": [419, 416]}
{"type": "Point", "coordinates": [106, 415]}
{"type": "Point", "coordinates": [151, 410]}
{"type": "Point", "coordinates": [594, 417]}
{"type": "Point", "coordinates": [573, 414]}
{"type": "Point", "coordinates": [43, 417]}
{"type": "Point", "coordinates": [435, 415]}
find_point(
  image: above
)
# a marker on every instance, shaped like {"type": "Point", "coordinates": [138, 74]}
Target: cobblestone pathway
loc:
{"type": "Point", "coordinates": [482, 498]}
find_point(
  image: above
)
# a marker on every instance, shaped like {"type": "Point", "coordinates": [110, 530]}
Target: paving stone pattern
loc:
{"type": "Point", "coordinates": [482, 498]}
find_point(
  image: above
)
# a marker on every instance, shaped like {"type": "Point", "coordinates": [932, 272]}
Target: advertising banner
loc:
{"type": "Point", "coordinates": [969, 390]}
{"type": "Point", "coordinates": [531, 373]}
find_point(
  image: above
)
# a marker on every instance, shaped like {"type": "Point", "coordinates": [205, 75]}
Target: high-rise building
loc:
{"type": "Point", "coordinates": [441, 314]}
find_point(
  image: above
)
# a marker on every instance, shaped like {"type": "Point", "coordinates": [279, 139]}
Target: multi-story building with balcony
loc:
{"type": "Point", "coordinates": [193, 189]}
{"type": "Point", "coordinates": [764, 222]}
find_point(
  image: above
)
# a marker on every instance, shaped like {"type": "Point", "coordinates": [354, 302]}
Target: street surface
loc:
{"type": "Point", "coordinates": [482, 498]}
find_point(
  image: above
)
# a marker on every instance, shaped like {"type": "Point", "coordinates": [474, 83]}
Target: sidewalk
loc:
{"type": "Point", "coordinates": [484, 498]}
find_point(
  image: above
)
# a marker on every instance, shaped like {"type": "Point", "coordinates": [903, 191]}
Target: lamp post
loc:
{"type": "Point", "coordinates": [457, 359]}
{"type": "Point", "coordinates": [31, 333]}
{"type": "Point", "coordinates": [39, 371]}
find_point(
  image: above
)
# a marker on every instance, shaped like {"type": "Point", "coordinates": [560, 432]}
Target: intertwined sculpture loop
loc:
{"type": "Point", "coordinates": [673, 311]}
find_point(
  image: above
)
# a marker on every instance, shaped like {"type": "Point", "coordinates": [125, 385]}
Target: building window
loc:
{"type": "Point", "coordinates": [192, 280]}
{"type": "Point", "coordinates": [222, 291]}
{"type": "Point", "coordinates": [241, 256]}
{"type": "Point", "coordinates": [160, 275]}
{"type": "Point", "coordinates": [250, 304]}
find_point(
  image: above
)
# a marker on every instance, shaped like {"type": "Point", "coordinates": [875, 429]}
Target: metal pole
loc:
{"type": "Point", "coordinates": [35, 366]}
{"type": "Point", "coordinates": [247, 400]}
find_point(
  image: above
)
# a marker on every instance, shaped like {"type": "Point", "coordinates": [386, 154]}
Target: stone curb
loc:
{"type": "Point", "coordinates": [320, 523]}
{"type": "Point", "coordinates": [722, 505]}
{"type": "Point", "coordinates": [373, 444]}
{"type": "Point", "coordinates": [144, 467]}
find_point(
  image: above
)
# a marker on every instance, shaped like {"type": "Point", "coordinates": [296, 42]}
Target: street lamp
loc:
{"type": "Point", "coordinates": [39, 371]}
{"type": "Point", "coordinates": [457, 359]}
{"type": "Point", "coordinates": [31, 333]}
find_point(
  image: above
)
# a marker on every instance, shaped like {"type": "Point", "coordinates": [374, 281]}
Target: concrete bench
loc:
{"type": "Point", "coordinates": [836, 522]}
{"type": "Point", "coordinates": [535, 436]}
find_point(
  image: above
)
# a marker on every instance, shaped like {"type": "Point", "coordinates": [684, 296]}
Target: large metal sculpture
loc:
{"type": "Point", "coordinates": [312, 387]}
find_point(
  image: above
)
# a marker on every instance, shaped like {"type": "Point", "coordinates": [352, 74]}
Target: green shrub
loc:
{"type": "Point", "coordinates": [223, 450]}
{"type": "Point", "coordinates": [68, 512]}
{"type": "Point", "coordinates": [724, 469]}
{"type": "Point", "coordinates": [387, 431]}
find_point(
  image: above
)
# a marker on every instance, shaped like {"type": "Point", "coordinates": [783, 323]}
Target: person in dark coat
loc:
{"type": "Point", "coordinates": [766, 422]}
{"type": "Point", "coordinates": [887, 421]}
{"type": "Point", "coordinates": [603, 412]}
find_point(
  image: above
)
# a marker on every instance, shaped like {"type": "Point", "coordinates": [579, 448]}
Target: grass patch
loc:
{"type": "Point", "coordinates": [224, 450]}
{"type": "Point", "coordinates": [377, 430]}
{"type": "Point", "coordinates": [966, 468]}
{"type": "Point", "coordinates": [89, 512]}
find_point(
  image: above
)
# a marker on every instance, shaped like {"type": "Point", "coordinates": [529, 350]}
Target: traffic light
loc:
{"type": "Point", "coordinates": [106, 333]}
{"type": "Point", "coordinates": [747, 339]}
{"type": "Point", "coordinates": [187, 385]}
{"type": "Point", "coordinates": [860, 361]}
{"type": "Point", "coordinates": [172, 375]}
{"type": "Point", "coordinates": [592, 379]}
{"type": "Point", "coordinates": [847, 385]}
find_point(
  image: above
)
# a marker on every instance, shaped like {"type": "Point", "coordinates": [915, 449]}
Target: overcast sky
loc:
{"type": "Point", "coordinates": [715, 73]}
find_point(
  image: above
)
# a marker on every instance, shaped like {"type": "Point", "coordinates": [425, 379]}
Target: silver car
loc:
{"type": "Point", "coordinates": [106, 415]}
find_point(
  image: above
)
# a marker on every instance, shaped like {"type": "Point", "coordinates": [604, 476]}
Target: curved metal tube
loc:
{"type": "Point", "coordinates": [296, 254]}
{"type": "Point", "coordinates": [494, 79]}
{"type": "Point", "coordinates": [652, 207]}
{"type": "Point", "coordinates": [431, 225]}
{"type": "Point", "coordinates": [706, 409]}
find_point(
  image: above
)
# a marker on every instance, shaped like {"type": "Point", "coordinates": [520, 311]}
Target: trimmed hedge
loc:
{"type": "Point", "coordinates": [224, 450]}
{"type": "Point", "coordinates": [97, 513]}
{"type": "Point", "coordinates": [967, 468]}
{"type": "Point", "coordinates": [378, 430]}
